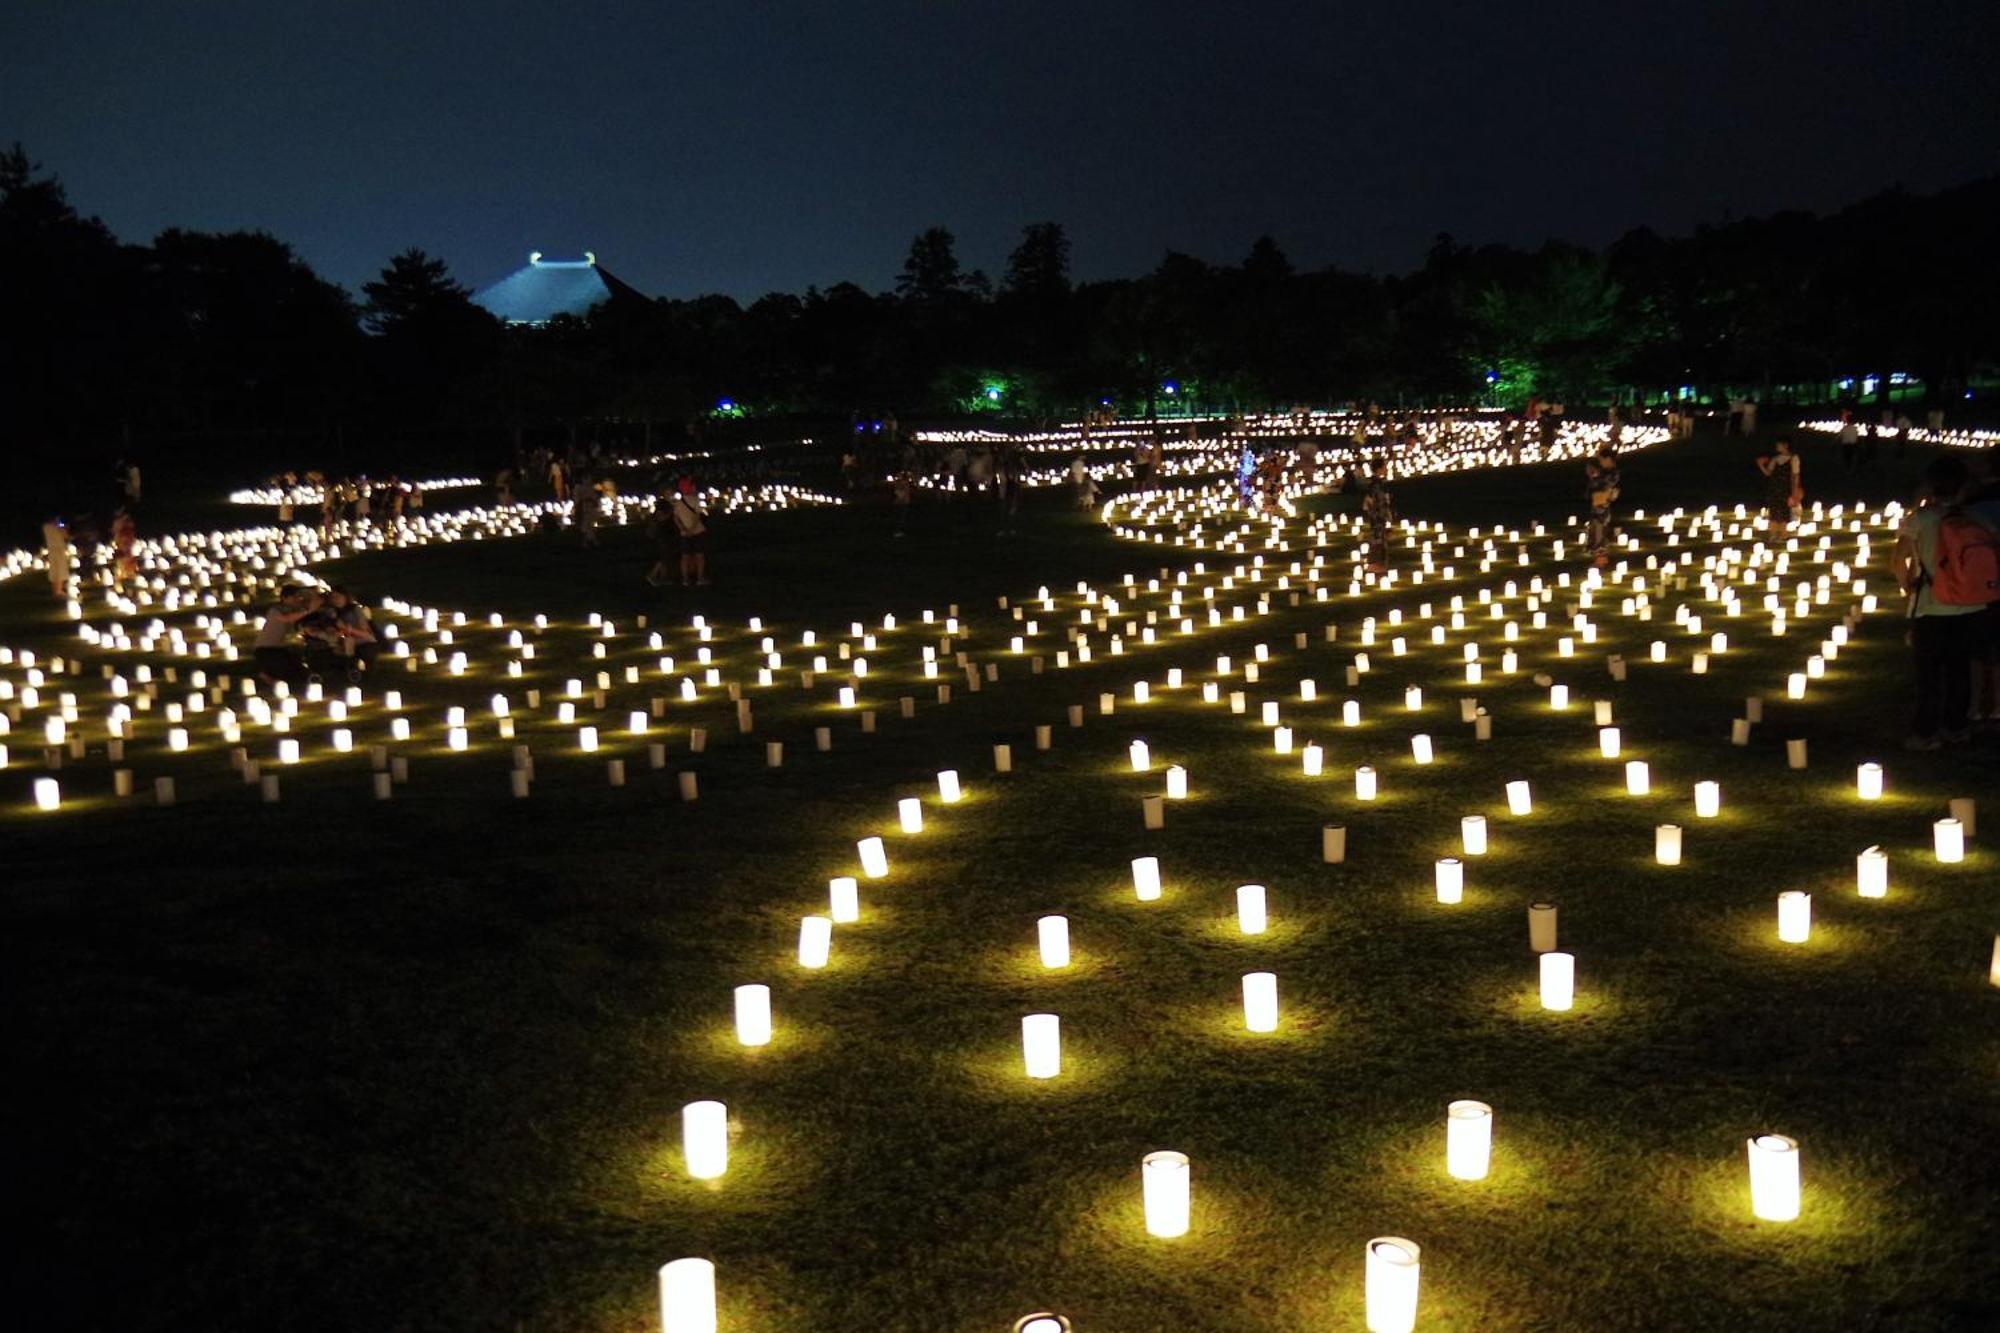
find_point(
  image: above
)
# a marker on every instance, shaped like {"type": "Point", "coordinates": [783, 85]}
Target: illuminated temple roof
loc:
{"type": "Point", "coordinates": [546, 288]}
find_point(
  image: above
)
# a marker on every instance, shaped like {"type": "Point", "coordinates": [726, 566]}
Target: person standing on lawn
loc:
{"type": "Point", "coordinates": [691, 525]}
{"type": "Point", "coordinates": [1600, 478]}
{"type": "Point", "coordinates": [1944, 620]}
{"type": "Point", "coordinates": [1784, 488]}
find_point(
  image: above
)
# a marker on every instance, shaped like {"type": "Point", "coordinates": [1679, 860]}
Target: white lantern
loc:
{"type": "Point", "coordinates": [910, 814]}
{"type": "Point", "coordinates": [1558, 980]}
{"type": "Point", "coordinates": [705, 1139]}
{"type": "Point", "coordinates": [687, 1297]}
{"type": "Point", "coordinates": [1142, 758]}
{"type": "Point", "coordinates": [1638, 777]}
{"type": "Point", "coordinates": [586, 739]}
{"type": "Point", "coordinates": [1420, 748]}
{"type": "Point", "coordinates": [1041, 1044]}
{"type": "Point", "coordinates": [288, 751]}
{"type": "Point", "coordinates": [815, 941]}
{"type": "Point", "coordinates": [1707, 800]}
{"type": "Point", "coordinates": [1667, 844]}
{"type": "Point", "coordinates": [1364, 783]}
{"type": "Point", "coordinates": [1774, 1178]}
{"type": "Point", "coordinates": [753, 1015]}
{"type": "Point", "coordinates": [1146, 877]}
{"type": "Point", "coordinates": [1794, 916]}
{"type": "Point", "coordinates": [874, 860]}
{"type": "Point", "coordinates": [1250, 912]}
{"type": "Point", "coordinates": [1518, 800]}
{"type": "Point", "coordinates": [1868, 782]}
{"type": "Point", "coordinates": [1052, 933]}
{"type": "Point", "coordinates": [1871, 873]}
{"type": "Point", "coordinates": [1164, 1178]}
{"type": "Point", "coordinates": [1607, 742]}
{"type": "Point", "coordinates": [1468, 1142]}
{"type": "Point", "coordinates": [1948, 841]}
{"type": "Point", "coordinates": [1393, 1271]}
{"type": "Point", "coordinates": [48, 794]}
{"type": "Point", "coordinates": [1177, 787]}
{"type": "Point", "coordinates": [1472, 835]}
{"type": "Point", "coordinates": [1260, 1001]}
{"type": "Point", "coordinates": [1450, 880]}
{"type": "Point", "coordinates": [843, 899]}
{"type": "Point", "coordinates": [948, 790]}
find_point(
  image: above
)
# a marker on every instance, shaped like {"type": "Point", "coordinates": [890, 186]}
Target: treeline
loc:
{"type": "Point", "coordinates": [232, 342]}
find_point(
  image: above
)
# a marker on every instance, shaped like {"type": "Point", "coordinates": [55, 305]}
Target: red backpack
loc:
{"type": "Point", "coordinates": [1968, 561]}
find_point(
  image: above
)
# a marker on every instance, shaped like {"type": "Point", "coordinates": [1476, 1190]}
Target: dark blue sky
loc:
{"type": "Point", "coordinates": [743, 147]}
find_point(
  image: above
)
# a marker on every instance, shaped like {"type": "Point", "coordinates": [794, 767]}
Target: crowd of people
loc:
{"type": "Point", "coordinates": [309, 633]}
{"type": "Point", "coordinates": [359, 499]}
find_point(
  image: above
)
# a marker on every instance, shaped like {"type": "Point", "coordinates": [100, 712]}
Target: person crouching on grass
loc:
{"type": "Point", "coordinates": [276, 660]}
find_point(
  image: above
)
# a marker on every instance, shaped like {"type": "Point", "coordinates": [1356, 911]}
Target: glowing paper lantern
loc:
{"type": "Point", "coordinates": [705, 1139]}
{"type": "Point", "coordinates": [1250, 914]}
{"type": "Point", "coordinates": [948, 790]}
{"type": "Point", "coordinates": [1519, 802]}
{"type": "Point", "coordinates": [1667, 844]}
{"type": "Point", "coordinates": [1177, 787]}
{"type": "Point", "coordinates": [1420, 748]}
{"type": "Point", "coordinates": [1260, 1001]}
{"type": "Point", "coordinates": [1607, 742]}
{"type": "Point", "coordinates": [1350, 714]}
{"type": "Point", "coordinates": [1774, 1178]}
{"type": "Point", "coordinates": [1794, 916]}
{"type": "Point", "coordinates": [1312, 759]}
{"type": "Point", "coordinates": [687, 1297]}
{"type": "Point", "coordinates": [1558, 980]}
{"type": "Point", "coordinates": [753, 1015]}
{"type": "Point", "coordinates": [1542, 927]}
{"type": "Point", "coordinates": [1948, 841]}
{"type": "Point", "coordinates": [1052, 933]}
{"type": "Point", "coordinates": [586, 739]}
{"type": "Point", "coordinates": [1707, 800]}
{"type": "Point", "coordinates": [1041, 1045]}
{"type": "Point", "coordinates": [1146, 877]}
{"type": "Point", "coordinates": [1142, 758]}
{"type": "Point", "coordinates": [1364, 783]}
{"type": "Point", "coordinates": [1638, 777]}
{"type": "Point", "coordinates": [1868, 782]}
{"type": "Point", "coordinates": [1468, 1141]}
{"type": "Point", "coordinates": [48, 794]}
{"type": "Point", "coordinates": [288, 751]}
{"type": "Point", "coordinates": [874, 860]}
{"type": "Point", "coordinates": [1164, 1179]}
{"type": "Point", "coordinates": [815, 941]}
{"type": "Point", "coordinates": [910, 814]}
{"type": "Point", "coordinates": [1871, 873]}
{"type": "Point", "coordinates": [1393, 1271]}
{"type": "Point", "coordinates": [1472, 835]}
{"type": "Point", "coordinates": [1450, 880]}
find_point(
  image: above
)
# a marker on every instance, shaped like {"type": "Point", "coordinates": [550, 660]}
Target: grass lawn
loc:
{"type": "Point", "coordinates": [419, 1064]}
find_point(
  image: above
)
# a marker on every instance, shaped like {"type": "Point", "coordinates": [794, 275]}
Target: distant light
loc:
{"type": "Point", "coordinates": [1170, 387]}
{"type": "Point", "coordinates": [534, 256]}
{"type": "Point", "coordinates": [1492, 377]}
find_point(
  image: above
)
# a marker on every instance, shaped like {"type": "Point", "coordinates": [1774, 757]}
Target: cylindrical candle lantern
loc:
{"type": "Point", "coordinates": [1871, 873]}
{"type": "Point", "coordinates": [1468, 1142]}
{"type": "Point", "coordinates": [1638, 778]}
{"type": "Point", "coordinates": [1146, 877]}
{"type": "Point", "coordinates": [843, 894]}
{"type": "Point", "coordinates": [1542, 927]}
{"type": "Point", "coordinates": [1260, 1001]}
{"type": "Point", "coordinates": [1041, 1045]}
{"type": "Point", "coordinates": [815, 941]}
{"type": "Point", "coordinates": [910, 814]}
{"type": "Point", "coordinates": [1364, 783]}
{"type": "Point", "coordinates": [1312, 759]}
{"type": "Point", "coordinates": [1141, 757]}
{"type": "Point", "coordinates": [1450, 880]}
{"type": "Point", "coordinates": [1707, 799]}
{"type": "Point", "coordinates": [1948, 841]}
{"type": "Point", "coordinates": [1250, 914]}
{"type": "Point", "coordinates": [1794, 916]}
{"type": "Point", "coordinates": [1154, 811]}
{"type": "Point", "coordinates": [1518, 800]}
{"type": "Point", "coordinates": [753, 1015]}
{"type": "Point", "coordinates": [1774, 1178]}
{"type": "Point", "coordinates": [1868, 782]}
{"type": "Point", "coordinates": [1393, 1272]}
{"type": "Point", "coordinates": [1177, 787]}
{"type": "Point", "coordinates": [1667, 844]}
{"type": "Point", "coordinates": [1350, 714]}
{"type": "Point", "coordinates": [1420, 748]}
{"type": "Point", "coordinates": [874, 860]}
{"type": "Point", "coordinates": [1164, 1178]}
{"type": "Point", "coordinates": [1558, 980]}
{"type": "Point", "coordinates": [705, 1139]}
{"type": "Point", "coordinates": [1052, 934]}
{"type": "Point", "coordinates": [48, 794]}
{"type": "Point", "coordinates": [1607, 742]}
{"type": "Point", "coordinates": [1472, 835]}
{"type": "Point", "coordinates": [1333, 843]}
{"type": "Point", "coordinates": [687, 1297]}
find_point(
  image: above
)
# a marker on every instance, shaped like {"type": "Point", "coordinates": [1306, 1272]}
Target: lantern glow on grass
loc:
{"type": "Point", "coordinates": [1948, 841]}
{"type": "Point", "coordinates": [1558, 981]}
{"type": "Point", "coordinates": [705, 1139]}
{"type": "Point", "coordinates": [815, 941]}
{"type": "Point", "coordinates": [1260, 1001]}
{"type": "Point", "coordinates": [910, 814]}
{"type": "Point", "coordinates": [1794, 916]}
{"type": "Point", "coordinates": [844, 899]}
{"type": "Point", "coordinates": [753, 1015]}
{"type": "Point", "coordinates": [1871, 873]}
{"type": "Point", "coordinates": [1868, 782]}
{"type": "Point", "coordinates": [874, 859]}
{"type": "Point", "coordinates": [1146, 878]}
{"type": "Point", "coordinates": [1052, 937]}
{"type": "Point", "coordinates": [1250, 909]}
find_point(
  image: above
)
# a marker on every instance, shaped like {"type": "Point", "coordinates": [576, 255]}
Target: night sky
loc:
{"type": "Point", "coordinates": [746, 147]}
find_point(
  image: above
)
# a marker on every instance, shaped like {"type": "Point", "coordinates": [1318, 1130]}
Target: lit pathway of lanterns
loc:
{"type": "Point", "coordinates": [1365, 688]}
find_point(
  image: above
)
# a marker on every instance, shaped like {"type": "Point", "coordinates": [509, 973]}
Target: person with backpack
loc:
{"type": "Point", "coordinates": [1948, 565]}
{"type": "Point", "coordinates": [691, 525]}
